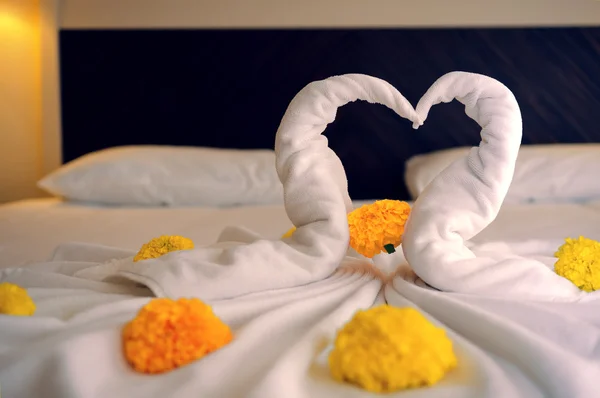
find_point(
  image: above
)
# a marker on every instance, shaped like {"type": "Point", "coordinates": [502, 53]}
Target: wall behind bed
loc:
{"type": "Point", "coordinates": [192, 14]}
{"type": "Point", "coordinates": [229, 87]}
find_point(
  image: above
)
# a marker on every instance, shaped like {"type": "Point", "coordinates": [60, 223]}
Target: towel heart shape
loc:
{"type": "Point", "coordinates": [458, 204]}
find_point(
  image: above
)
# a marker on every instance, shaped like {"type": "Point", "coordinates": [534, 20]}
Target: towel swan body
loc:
{"type": "Point", "coordinates": [466, 197]}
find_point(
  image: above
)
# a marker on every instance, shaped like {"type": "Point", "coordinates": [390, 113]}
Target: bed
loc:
{"type": "Point", "coordinates": [149, 155]}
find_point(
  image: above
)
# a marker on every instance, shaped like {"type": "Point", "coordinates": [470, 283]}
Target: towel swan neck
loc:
{"type": "Point", "coordinates": [491, 165]}
{"type": "Point", "coordinates": [313, 177]}
{"type": "Point", "coordinates": [466, 197]}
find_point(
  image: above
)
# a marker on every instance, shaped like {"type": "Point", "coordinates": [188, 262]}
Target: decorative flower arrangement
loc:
{"type": "Point", "coordinates": [385, 349]}
{"type": "Point", "coordinates": [14, 300]}
{"type": "Point", "coordinates": [376, 227]}
{"type": "Point", "coordinates": [579, 262]}
{"type": "Point", "coordinates": [163, 245]}
{"type": "Point", "coordinates": [167, 334]}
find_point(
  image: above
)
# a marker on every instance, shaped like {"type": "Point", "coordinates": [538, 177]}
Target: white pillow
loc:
{"type": "Point", "coordinates": [543, 173]}
{"type": "Point", "coordinates": [169, 176]}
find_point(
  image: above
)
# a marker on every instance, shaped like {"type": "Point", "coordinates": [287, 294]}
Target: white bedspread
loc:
{"type": "Point", "coordinates": [506, 347]}
{"type": "Point", "coordinates": [285, 299]}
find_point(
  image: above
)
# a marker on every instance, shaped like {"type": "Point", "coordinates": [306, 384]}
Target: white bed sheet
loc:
{"type": "Point", "coordinates": [505, 347]}
{"type": "Point", "coordinates": [30, 230]}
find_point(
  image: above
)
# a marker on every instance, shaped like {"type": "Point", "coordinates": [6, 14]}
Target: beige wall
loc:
{"type": "Point", "coordinates": [29, 101]}
{"type": "Point", "coordinates": [20, 98]}
{"type": "Point", "coordinates": [29, 90]}
{"type": "Point", "coordinates": [273, 13]}
{"type": "Point", "coordinates": [51, 133]}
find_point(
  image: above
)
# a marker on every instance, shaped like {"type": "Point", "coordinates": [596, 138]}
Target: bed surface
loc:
{"type": "Point", "coordinates": [499, 341]}
{"type": "Point", "coordinates": [31, 229]}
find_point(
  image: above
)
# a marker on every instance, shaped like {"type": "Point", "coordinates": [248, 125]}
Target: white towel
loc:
{"type": "Point", "coordinates": [316, 200]}
{"type": "Point", "coordinates": [466, 197]}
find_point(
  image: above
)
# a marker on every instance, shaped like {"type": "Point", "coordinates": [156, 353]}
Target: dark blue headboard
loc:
{"type": "Point", "coordinates": [230, 88]}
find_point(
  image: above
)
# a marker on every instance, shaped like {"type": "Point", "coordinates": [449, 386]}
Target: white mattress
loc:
{"type": "Point", "coordinates": [31, 229]}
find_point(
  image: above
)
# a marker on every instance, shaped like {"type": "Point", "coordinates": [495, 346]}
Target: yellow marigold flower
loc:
{"type": "Point", "coordinates": [14, 300]}
{"type": "Point", "coordinates": [163, 245]}
{"type": "Point", "coordinates": [385, 349]}
{"type": "Point", "coordinates": [378, 227]}
{"type": "Point", "coordinates": [579, 262]}
{"type": "Point", "coordinates": [289, 233]}
{"type": "Point", "coordinates": [167, 334]}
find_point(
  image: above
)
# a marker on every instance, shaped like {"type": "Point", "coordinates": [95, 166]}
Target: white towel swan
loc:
{"type": "Point", "coordinates": [466, 197]}
{"type": "Point", "coordinates": [316, 200]}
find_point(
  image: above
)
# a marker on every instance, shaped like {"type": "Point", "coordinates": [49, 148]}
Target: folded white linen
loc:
{"type": "Point", "coordinates": [71, 348]}
{"type": "Point", "coordinates": [510, 347]}
{"type": "Point", "coordinates": [466, 197]}
{"type": "Point", "coordinates": [506, 347]}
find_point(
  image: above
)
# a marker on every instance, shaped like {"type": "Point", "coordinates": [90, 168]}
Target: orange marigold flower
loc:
{"type": "Point", "coordinates": [385, 348]}
{"type": "Point", "coordinates": [378, 227]}
{"type": "Point", "coordinates": [375, 227]}
{"type": "Point", "coordinates": [163, 245]}
{"type": "Point", "coordinates": [167, 334]}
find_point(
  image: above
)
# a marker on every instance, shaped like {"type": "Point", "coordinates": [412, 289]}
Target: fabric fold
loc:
{"type": "Point", "coordinates": [466, 197]}
{"type": "Point", "coordinates": [554, 345]}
